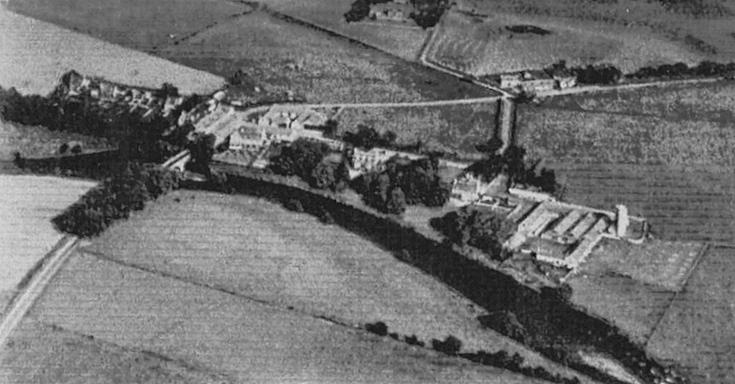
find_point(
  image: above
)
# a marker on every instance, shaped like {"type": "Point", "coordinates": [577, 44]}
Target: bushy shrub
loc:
{"type": "Point", "coordinates": [451, 345]}
{"type": "Point", "coordinates": [477, 228]}
{"type": "Point", "coordinates": [379, 328]}
{"type": "Point", "coordinates": [310, 161]}
{"type": "Point", "coordinates": [413, 340]}
{"type": "Point", "coordinates": [294, 205]}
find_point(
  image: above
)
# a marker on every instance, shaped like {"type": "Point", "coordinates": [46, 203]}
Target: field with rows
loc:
{"type": "Point", "coordinates": [697, 330]}
{"type": "Point", "coordinates": [700, 29]}
{"type": "Point", "coordinates": [589, 137]}
{"type": "Point", "coordinates": [257, 249]}
{"type": "Point", "coordinates": [284, 56]}
{"type": "Point", "coordinates": [456, 128]}
{"type": "Point", "coordinates": [481, 45]}
{"type": "Point", "coordinates": [215, 333]}
{"type": "Point", "coordinates": [707, 101]}
{"type": "Point", "coordinates": [690, 204]}
{"type": "Point", "coordinates": [401, 39]}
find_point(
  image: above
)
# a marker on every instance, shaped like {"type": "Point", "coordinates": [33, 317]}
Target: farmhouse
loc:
{"type": "Point", "coordinates": [374, 160]}
{"type": "Point", "coordinates": [469, 188]}
{"type": "Point", "coordinates": [529, 81]}
{"type": "Point", "coordinates": [564, 79]}
{"type": "Point", "coordinates": [292, 117]}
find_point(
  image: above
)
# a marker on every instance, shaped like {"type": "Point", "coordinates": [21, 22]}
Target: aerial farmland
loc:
{"type": "Point", "coordinates": [367, 191]}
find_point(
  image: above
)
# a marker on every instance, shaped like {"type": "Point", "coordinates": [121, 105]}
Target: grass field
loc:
{"type": "Point", "coordinates": [448, 128]}
{"type": "Point", "coordinates": [258, 249]}
{"type": "Point", "coordinates": [27, 205]}
{"type": "Point", "coordinates": [659, 263]}
{"type": "Point", "coordinates": [403, 40]}
{"type": "Point", "coordinates": [137, 24]}
{"type": "Point", "coordinates": [290, 57]}
{"type": "Point", "coordinates": [698, 329]}
{"type": "Point", "coordinates": [588, 137]}
{"type": "Point", "coordinates": [40, 142]}
{"type": "Point", "coordinates": [208, 330]}
{"type": "Point", "coordinates": [631, 306]}
{"type": "Point", "coordinates": [708, 102]}
{"type": "Point", "coordinates": [691, 204]}
{"type": "Point", "coordinates": [703, 27]}
{"type": "Point", "coordinates": [35, 54]}
{"type": "Point", "coordinates": [42, 353]}
{"type": "Point", "coordinates": [480, 45]}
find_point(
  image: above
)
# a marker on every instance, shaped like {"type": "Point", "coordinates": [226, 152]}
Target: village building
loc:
{"type": "Point", "coordinates": [375, 159]}
{"type": "Point", "coordinates": [563, 77]}
{"type": "Point", "coordinates": [293, 117]}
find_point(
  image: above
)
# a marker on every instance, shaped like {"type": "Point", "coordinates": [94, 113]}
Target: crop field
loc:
{"type": "Point", "coordinates": [665, 264]}
{"type": "Point", "coordinates": [285, 56]}
{"type": "Point", "coordinates": [707, 101]}
{"type": "Point", "coordinates": [401, 39]}
{"type": "Point", "coordinates": [211, 331]}
{"type": "Point", "coordinates": [257, 249]}
{"type": "Point", "coordinates": [40, 142]}
{"type": "Point", "coordinates": [456, 128]}
{"type": "Point", "coordinates": [42, 353]}
{"type": "Point", "coordinates": [700, 28]}
{"type": "Point", "coordinates": [481, 45]}
{"type": "Point", "coordinates": [633, 307]}
{"type": "Point", "coordinates": [698, 329]}
{"type": "Point", "coordinates": [681, 204]}
{"type": "Point", "coordinates": [35, 54]}
{"type": "Point", "coordinates": [587, 137]}
{"type": "Point", "coordinates": [27, 205]}
{"type": "Point", "coordinates": [137, 24]}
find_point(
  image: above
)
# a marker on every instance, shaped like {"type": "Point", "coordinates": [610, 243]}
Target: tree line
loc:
{"type": "Point", "coordinates": [115, 199]}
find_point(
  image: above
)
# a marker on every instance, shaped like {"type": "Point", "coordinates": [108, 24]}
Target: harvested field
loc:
{"type": "Point", "coordinates": [401, 39]}
{"type": "Point", "coordinates": [212, 331]}
{"type": "Point", "coordinates": [701, 29]}
{"type": "Point", "coordinates": [661, 263]}
{"type": "Point", "coordinates": [40, 141]}
{"type": "Point", "coordinates": [291, 57]}
{"type": "Point", "coordinates": [27, 205]}
{"type": "Point", "coordinates": [698, 328]}
{"type": "Point", "coordinates": [137, 24]}
{"type": "Point", "coordinates": [34, 54]}
{"type": "Point", "coordinates": [456, 128]}
{"type": "Point", "coordinates": [481, 45]}
{"type": "Point", "coordinates": [42, 353]}
{"type": "Point", "coordinates": [257, 249]}
{"type": "Point", "coordinates": [587, 137]}
{"type": "Point", "coordinates": [693, 204]}
{"type": "Point", "coordinates": [706, 101]}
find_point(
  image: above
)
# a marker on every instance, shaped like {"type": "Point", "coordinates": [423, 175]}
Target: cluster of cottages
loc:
{"type": "Point", "coordinates": [395, 11]}
{"type": "Point", "coordinates": [144, 100]}
{"type": "Point", "coordinates": [555, 232]}
{"type": "Point", "coordinates": [538, 81]}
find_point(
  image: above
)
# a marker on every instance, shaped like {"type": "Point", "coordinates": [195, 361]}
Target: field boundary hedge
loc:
{"type": "Point", "coordinates": [543, 320]}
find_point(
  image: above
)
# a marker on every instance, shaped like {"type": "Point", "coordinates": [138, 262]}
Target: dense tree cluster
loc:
{"type": "Point", "coordinates": [312, 162]}
{"type": "Point", "coordinates": [513, 163]}
{"type": "Point", "coordinates": [115, 199]}
{"type": "Point", "coordinates": [427, 13]}
{"type": "Point", "coordinates": [705, 68]}
{"type": "Point", "coordinates": [599, 74]}
{"type": "Point", "coordinates": [481, 229]}
{"type": "Point", "coordinates": [368, 138]}
{"type": "Point", "coordinates": [404, 183]}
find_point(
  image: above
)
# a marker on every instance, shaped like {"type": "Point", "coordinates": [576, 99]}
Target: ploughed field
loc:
{"type": "Point", "coordinates": [104, 321]}
{"type": "Point", "coordinates": [566, 135]}
{"type": "Point", "coordinates": [256, 249]}
{"type": "Point", "coordinates": [680, 203]}
{"type": "Point", "coordinates": [401, 39]}
{"type": "Point", "coordinates": [480, 44]}
{"type": "Point", "coordinates": [285, 56]}
{"type": "Point", "coordinates": [714, 101]}
{"type": "Point", "coordinates": [698, 328]}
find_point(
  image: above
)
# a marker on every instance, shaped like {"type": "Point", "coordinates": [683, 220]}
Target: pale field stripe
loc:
{"type": "Point", "coordinates": [34, 54]}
